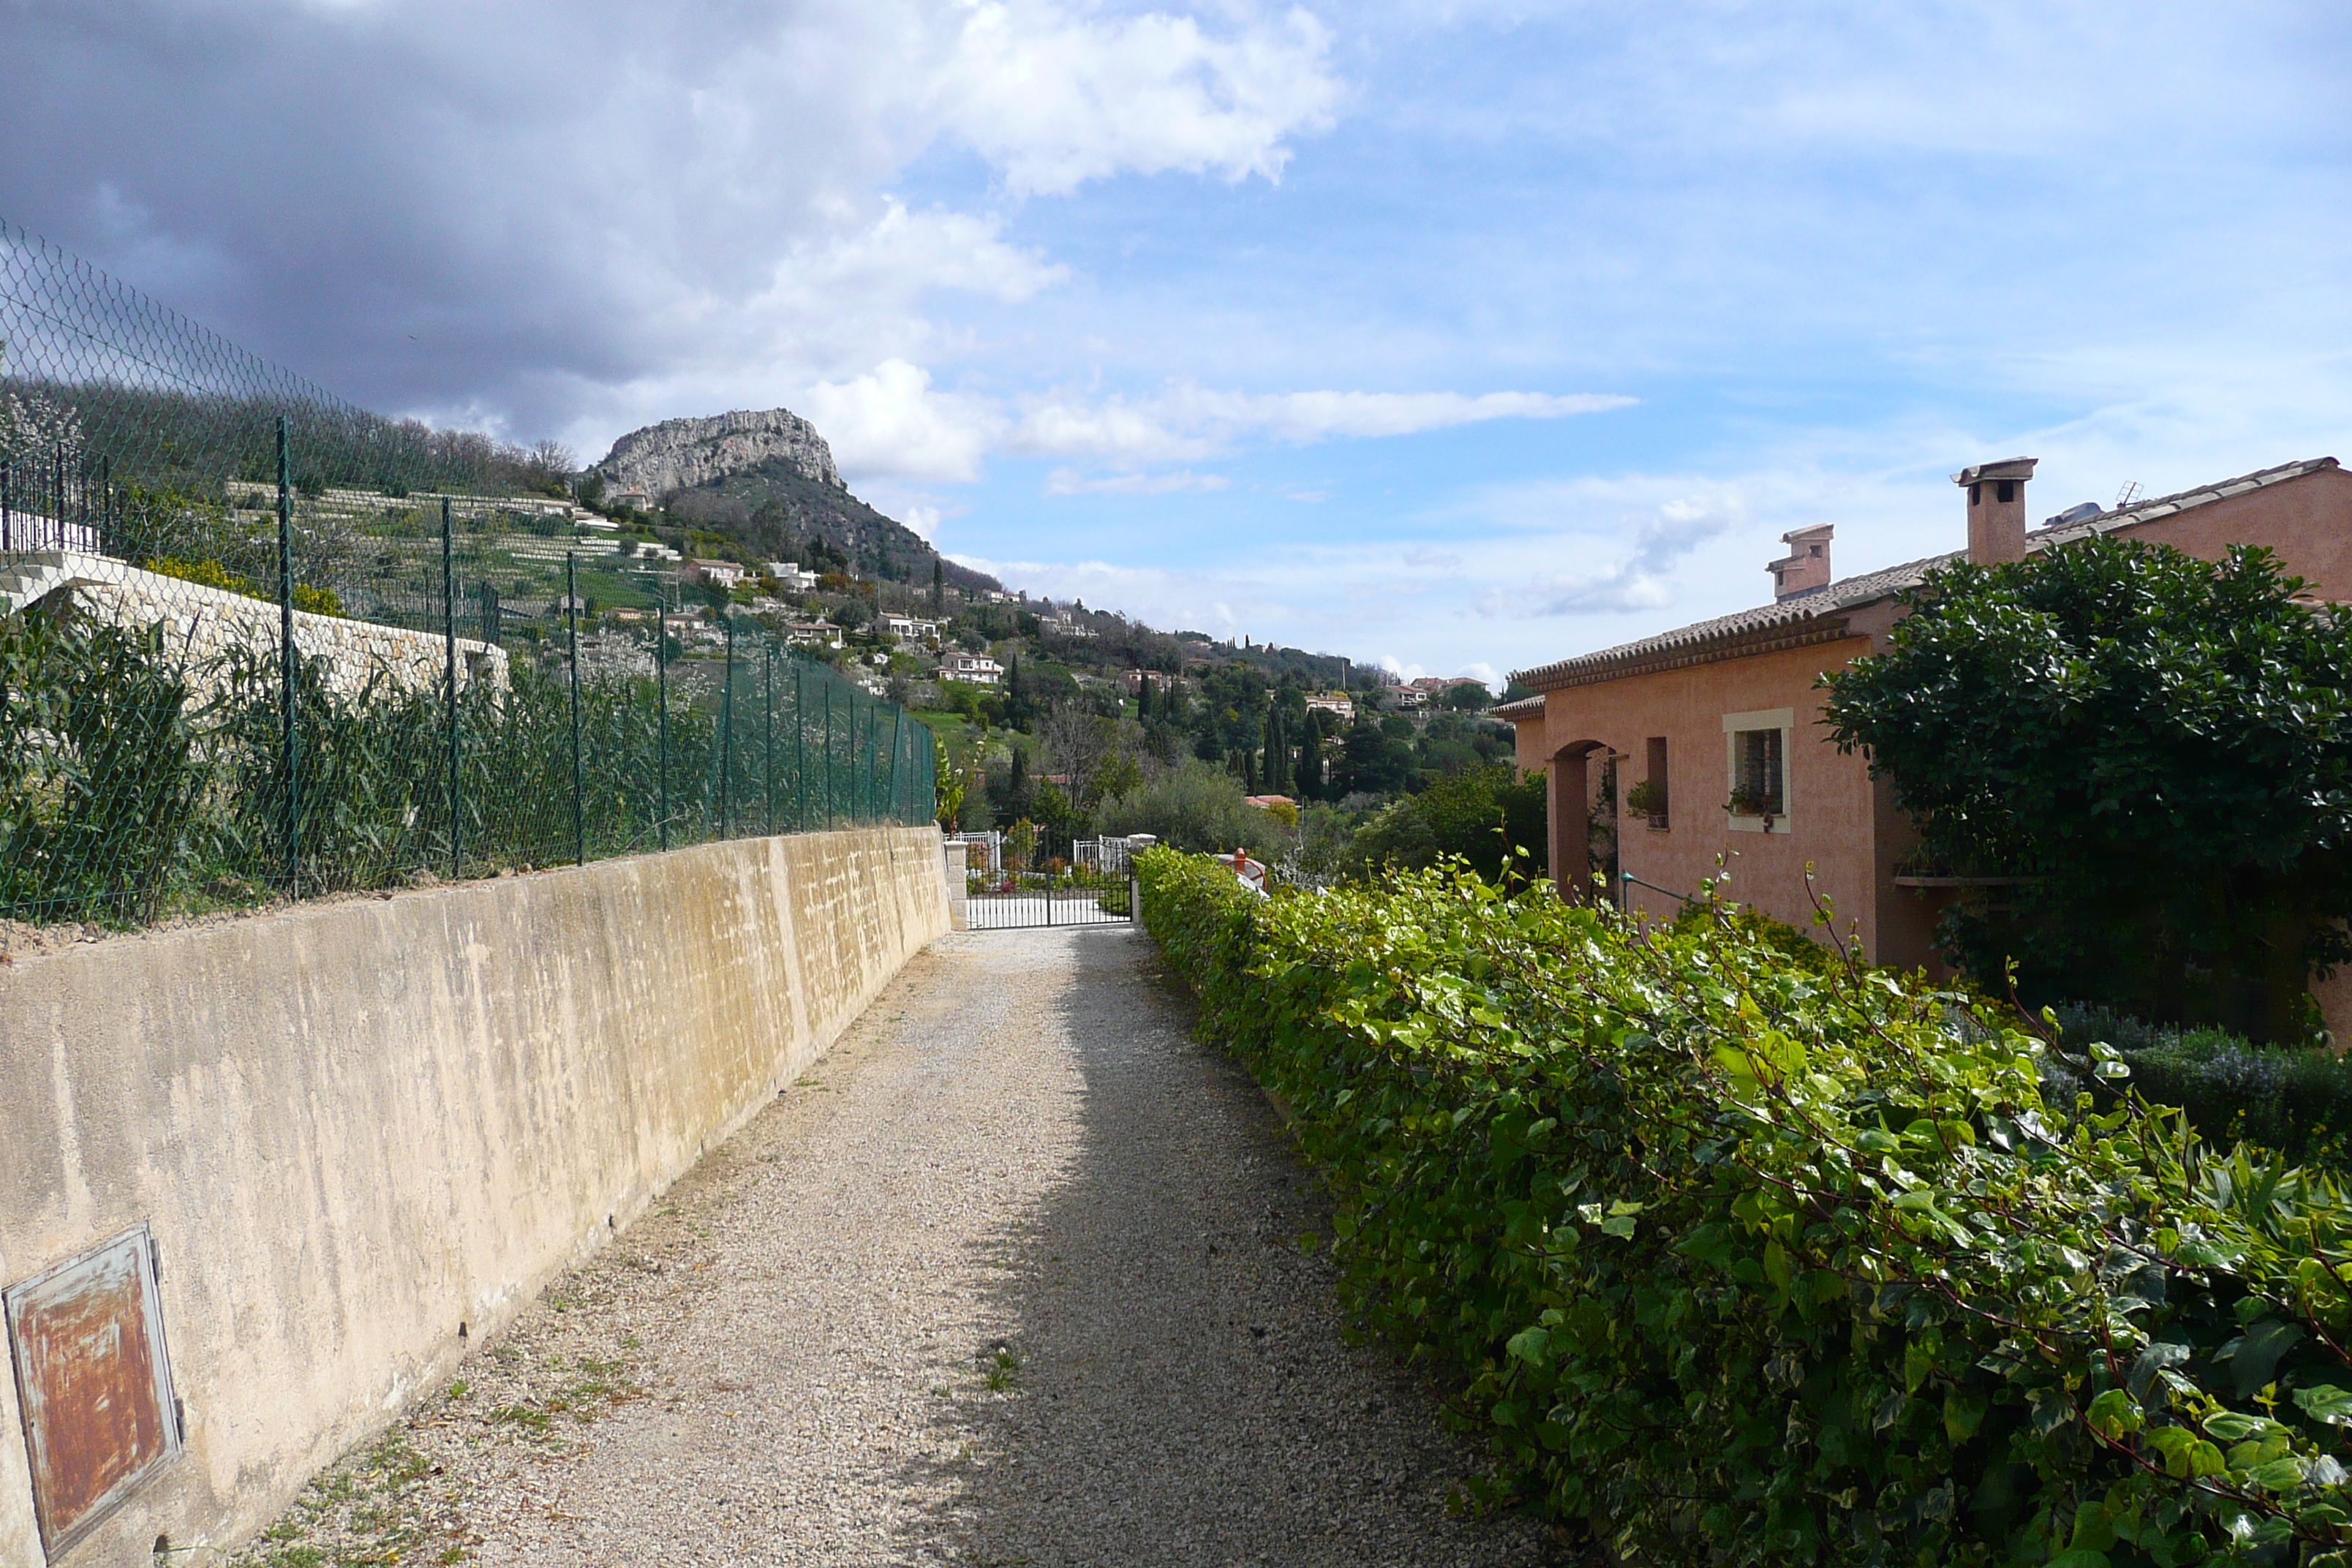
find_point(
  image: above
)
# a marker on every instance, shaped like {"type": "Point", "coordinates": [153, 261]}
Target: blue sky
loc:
{"type": "Point", "coordinates": [1468, 336]}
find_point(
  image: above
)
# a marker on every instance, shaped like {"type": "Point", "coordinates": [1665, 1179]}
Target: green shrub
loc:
{"type": "Point", "coordinates": [135, 785]}
{"type": "Point", "coordinates": [2297, 1100]}
{"type": "Point", "coordinates": [210, 574]}
{"type": "Point", "coordinates": [102, 769]}
{"type": "Point", "coordinates": [1699, 916]}
{"type": "Point", "coordinates": [1739, 1260]}
{"type": "Point", "coordinates": [1483, 815]}
{"type": "Point", "coordinates": [2158, 746]}
{"type": "Point", "coordinates": [1196, 806]}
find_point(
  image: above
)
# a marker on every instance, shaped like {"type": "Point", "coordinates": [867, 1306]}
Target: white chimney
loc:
{"type": "Point", "coordinates": [1996, 509]}
{"type": "Point", "coordinates": [1806, 566]}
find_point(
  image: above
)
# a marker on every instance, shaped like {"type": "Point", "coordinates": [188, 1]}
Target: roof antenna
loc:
{"type": "Point", "coordinates": [2128, 494]}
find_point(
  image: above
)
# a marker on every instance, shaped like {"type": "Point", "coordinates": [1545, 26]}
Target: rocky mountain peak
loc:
{"type": "Point", "coordinates": [680, 453]}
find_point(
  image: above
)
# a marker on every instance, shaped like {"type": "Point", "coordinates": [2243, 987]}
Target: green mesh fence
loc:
{"type": "Point", "coordinates": [256, 643]}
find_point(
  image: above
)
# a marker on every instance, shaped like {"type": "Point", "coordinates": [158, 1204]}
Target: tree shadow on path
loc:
{"type": "Point", "coordinates": [1171, 1384]}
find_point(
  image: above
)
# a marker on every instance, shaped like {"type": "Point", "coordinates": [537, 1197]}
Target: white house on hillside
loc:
{"type": "Point", "coordinates": [977, 669]}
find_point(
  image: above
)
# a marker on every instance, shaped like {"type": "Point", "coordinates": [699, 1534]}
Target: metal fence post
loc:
{"type": "Point", "coordinates": [828, 756]}
{"type": "Point", "coordinates": [578, 776]}
{"type": "Point", "coordinates": [661, 699]}
{"type": "Point", "coordinates": [898, 724]}
{"type": "Point", "coordinates": [7, 506]}
{"type": "Point", "coordinates": [800, 752]}
{"type": "Point", "coordinates": [768, 759]}
{"type": "Point", "coordinates": [289, 688]}
{"type": "Point", "coordinates": [727, 738]}
{"type": "Point", "coordinates": [449, 646]}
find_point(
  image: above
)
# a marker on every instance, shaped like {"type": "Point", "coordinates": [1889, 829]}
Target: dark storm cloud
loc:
{"type": "Point", "coordinates": [428, 206]}
{"type": "Point", "coordinates": [556, 216]}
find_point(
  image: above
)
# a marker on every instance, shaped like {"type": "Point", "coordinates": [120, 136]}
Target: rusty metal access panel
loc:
{"type": "Point", "coordinates": [94, 1384]}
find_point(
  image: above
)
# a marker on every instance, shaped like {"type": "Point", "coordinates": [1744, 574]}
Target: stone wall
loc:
{"type": "Point", "coordinates": [204, 625]}
{"type": "Point", "coordinates": [365, 1132]}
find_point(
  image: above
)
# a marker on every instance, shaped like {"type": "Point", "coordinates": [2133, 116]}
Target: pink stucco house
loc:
{"type": "Point", "coordinates": [1720, 717]}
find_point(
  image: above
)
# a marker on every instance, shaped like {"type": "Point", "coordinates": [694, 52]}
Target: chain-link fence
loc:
{"type": "Point", "coordinates": [256, 643]}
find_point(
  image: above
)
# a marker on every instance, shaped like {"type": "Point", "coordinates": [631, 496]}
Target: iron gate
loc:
{"type": "Point", "coordinates": [1011, 901]}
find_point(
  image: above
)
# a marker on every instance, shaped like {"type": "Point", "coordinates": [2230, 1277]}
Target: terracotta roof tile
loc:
{"type": "Point", "coordinates": [1823, 607]}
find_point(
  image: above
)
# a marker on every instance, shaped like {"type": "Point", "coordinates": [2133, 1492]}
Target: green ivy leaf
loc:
{"type": "Point", "coordinates": [2325, 1403]}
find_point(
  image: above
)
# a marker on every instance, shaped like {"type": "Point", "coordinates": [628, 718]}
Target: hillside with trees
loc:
{"type": "Point", "coordinates": [1080, 721]}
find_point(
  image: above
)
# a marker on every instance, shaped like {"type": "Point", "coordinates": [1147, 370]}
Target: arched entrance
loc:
{"type": "Point", "coordinates": [1568, 809]}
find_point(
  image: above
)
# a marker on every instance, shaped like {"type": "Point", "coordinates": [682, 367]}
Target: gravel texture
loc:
{"type": "Point", "coordinates": [1014, 1276]}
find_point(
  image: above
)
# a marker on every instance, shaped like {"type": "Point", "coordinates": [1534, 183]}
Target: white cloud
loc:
{"type": "Point", "coordinates": [891, 422]}
{"type": "Point", "coordinates": [897, 257]}
{"type": "Point", "coordinates": [1644, 578]}
{"type": "Point", "coordinates": [1190, 422]}
{"type": "Point", "coordinates": [1533, 572]}
{"type": "Point", "coordinates": [1055, 98]}
{"type": "Point", "coordinates": [1070, 482]}
{"type": "Point", "coordinates": [1220, 604]}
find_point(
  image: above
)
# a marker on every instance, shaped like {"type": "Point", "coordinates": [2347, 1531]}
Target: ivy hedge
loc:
{"type": "Point", "coordinates": [1738, 1260]}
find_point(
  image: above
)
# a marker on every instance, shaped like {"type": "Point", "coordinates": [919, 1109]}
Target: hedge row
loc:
{"type": "Point", "coordinates": [1737, 1261]}
{"type": "Point", "coordinates": [2296, 1099]}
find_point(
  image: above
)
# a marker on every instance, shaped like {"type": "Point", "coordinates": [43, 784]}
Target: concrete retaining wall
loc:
{"type": "Point", "coordinates": [355, 1126]}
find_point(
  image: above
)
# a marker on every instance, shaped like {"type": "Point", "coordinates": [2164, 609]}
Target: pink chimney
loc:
{"type": "Point", "coordinates": [1807, 565]}
{"type": "Point", "coordinates": [1996, 509]}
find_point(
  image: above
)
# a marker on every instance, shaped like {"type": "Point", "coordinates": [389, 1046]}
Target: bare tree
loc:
{"type": "Point", "coordinates": [553, 457]}
{"type": "Point", "coordinates": [1077, 744]}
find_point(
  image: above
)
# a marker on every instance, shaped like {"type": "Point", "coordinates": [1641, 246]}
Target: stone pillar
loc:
{"type": "Point", "coordinates": [958, 854]}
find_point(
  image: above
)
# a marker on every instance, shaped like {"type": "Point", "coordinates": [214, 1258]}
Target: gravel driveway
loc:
{"type": "Point", "coordinates": [1013, 1277]}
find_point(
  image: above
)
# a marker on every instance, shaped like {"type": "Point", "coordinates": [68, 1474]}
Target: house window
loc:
{"type": "Point", "coordinates": [1656, 780]}
{"type": "Point", "coordinates": [1758, 782]}
{"type": "Point", "coordinates": [1755, 751]}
